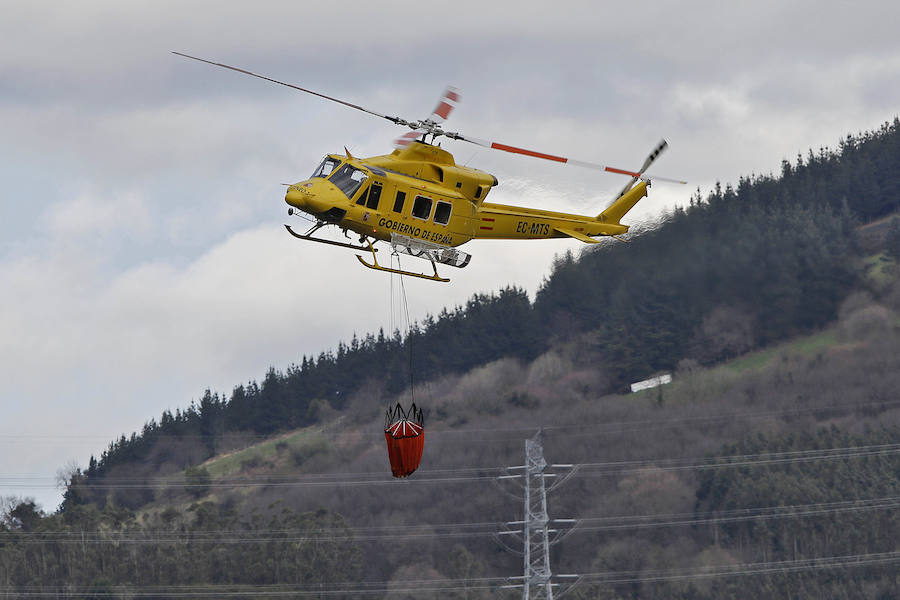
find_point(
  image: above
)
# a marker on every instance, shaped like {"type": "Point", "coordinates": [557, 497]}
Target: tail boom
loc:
{"type": "Point", "coordinates": [500, 221]}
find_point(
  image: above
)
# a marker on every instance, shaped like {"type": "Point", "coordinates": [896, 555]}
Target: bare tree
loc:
{"type": "Point", "coordinates": [66, 474]}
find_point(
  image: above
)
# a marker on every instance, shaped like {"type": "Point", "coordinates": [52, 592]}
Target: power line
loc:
{"type": "Point", "coordinates": [480, 583]}
{"type": "Point", "coordinates": [478, 474]}
{"type": "Point", "coordinates": [737, 515]}
{"type": "Point", "coordinates": [445, 530]}
{"type": "Point", "coordinates": [785, 566]}
{"type": "Point", "coordinates": [583, 525]}
{"type": "Point", "coordinates": [598, 427]}
{"type": "Point", "coordinates": [731, 461]}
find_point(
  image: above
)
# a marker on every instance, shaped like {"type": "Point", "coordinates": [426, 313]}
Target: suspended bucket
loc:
{"type": "Point", "coordinates": [405, 435]}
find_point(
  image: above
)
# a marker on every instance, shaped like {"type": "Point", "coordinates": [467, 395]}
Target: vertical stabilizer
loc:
{"type": "Point", "coordinates": [623, 204]}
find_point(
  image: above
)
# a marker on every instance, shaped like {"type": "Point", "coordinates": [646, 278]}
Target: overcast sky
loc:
{"type": "Point", "coordinates": [142, 254]}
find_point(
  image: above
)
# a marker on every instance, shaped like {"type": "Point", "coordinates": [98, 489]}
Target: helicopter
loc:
{"type": "Point", "coordinates": [425, 205]}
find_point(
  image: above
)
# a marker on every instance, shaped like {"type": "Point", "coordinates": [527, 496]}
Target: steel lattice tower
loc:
{"type": "Point", "coordinates": [536, 524]}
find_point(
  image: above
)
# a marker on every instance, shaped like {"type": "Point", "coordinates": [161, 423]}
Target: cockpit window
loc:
{"type": "Point", "coordinates": [327, 167]}
{"type": "Point", "coordinates": [348, 178]}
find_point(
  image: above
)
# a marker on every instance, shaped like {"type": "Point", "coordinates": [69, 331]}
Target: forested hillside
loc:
{"type": "Point", "coordinates": [765, 464]}
{"type": "Point", "coordinates": [777, 444]}
{"type": "Point", "coordinates": [745, 266]}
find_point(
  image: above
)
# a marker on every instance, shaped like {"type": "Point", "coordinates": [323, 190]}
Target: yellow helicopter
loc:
{"type": "Point", "coordinates": [420, 201]}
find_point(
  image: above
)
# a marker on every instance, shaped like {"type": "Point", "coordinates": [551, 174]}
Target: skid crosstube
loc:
{"type": "Point", "coordinates": [310, 238]}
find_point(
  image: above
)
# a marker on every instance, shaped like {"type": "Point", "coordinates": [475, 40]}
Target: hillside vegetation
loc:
{"type": "Point", "coordinates": [776, 444]}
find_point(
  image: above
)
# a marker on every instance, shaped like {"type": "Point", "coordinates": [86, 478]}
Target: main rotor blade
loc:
{"type": "Point", "coordinates": [432, 126]}
{"type": "Point", "coordinates": [449, 100]}
{"type": "Point", "coordinates": [397, 120]}
{"type": "Point", "coordinates": [563, 159]}
{"type": "Point", "coordinates": [535, 154]}
{"type": "Point", "coordinates": [409, 137]}
{"type": "Point", "coordinates": [445, 105]}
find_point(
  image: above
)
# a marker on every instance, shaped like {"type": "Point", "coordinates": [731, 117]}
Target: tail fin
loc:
{"type": "Point", "coordinates": [624, 203]}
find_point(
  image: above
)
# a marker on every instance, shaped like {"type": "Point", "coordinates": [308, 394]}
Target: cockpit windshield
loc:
{"type": "Point", "coordinates": [327, 167]}
{"type": "Point", "coordinates": [348, 178]}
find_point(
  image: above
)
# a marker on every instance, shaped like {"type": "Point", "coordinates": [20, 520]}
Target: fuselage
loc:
{"type": "Point", "coordinates": [419, 192]}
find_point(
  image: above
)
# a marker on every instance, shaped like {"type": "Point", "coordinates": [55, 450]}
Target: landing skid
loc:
{"type": "Point", "coordinates": [374, 265]}
{"type": "Point", "coordinates": [308, 237]}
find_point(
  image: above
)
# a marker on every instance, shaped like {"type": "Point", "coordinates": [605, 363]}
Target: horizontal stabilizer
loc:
{"type": "Point", "coordinates": [577, 235]}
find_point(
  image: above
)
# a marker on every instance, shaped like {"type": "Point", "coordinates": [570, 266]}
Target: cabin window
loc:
{"type": "Point", "coordinates": [374, 196]}
{"type": "Point", "coordinates": [327, 167]}
{"type": "Point", "coordinates": [421, 207]}
{"type": "Point", "coordinates": [478, 192]}
{"type": "Point", "coordinates": [442, 213]}
{"type": "Point", "coordinates": [362, 197]}
{"type": "Point", "coordinates": [398, 203]}
{"type": "Point", "coordinates": [349, 179]}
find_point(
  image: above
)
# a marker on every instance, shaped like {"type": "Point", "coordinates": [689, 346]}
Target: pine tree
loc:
{"type": "Point", "coordinates": [892, 241]}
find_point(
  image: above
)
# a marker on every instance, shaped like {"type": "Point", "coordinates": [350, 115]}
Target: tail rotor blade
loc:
{"type": "Point", "coordinates": [662, 145]}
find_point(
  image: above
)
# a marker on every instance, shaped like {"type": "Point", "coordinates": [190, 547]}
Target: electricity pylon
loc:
{"type": "Point", "coordinates": [536, 579]}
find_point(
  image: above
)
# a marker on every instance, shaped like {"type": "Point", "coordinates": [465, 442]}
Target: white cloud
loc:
{"type": "Point", "coordinates": [98, 352]}
{"type": "Point", "coordinates": [141, 261]}
{"type": "Point", "coordinates": [90, 214]}
{"type": "Point", "coordinates": [712, 106]}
